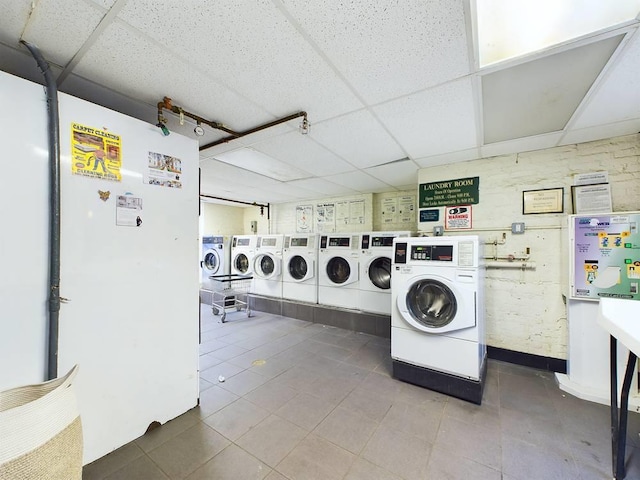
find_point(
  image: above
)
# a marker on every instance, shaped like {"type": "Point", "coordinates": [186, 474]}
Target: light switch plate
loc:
{"type": "Point", "coordinates": [517, 228]}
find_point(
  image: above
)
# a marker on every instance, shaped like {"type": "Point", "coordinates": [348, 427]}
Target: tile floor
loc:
{"type": "Point", "coordinates": [303, 401]}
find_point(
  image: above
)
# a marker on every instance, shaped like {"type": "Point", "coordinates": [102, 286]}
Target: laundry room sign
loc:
{"type": "Point", "coordinates": [462, 191]}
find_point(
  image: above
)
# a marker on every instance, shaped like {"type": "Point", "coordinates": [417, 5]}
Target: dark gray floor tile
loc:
{"type": "Point", "coordinates": [271, 395]}
{"type": "Point", "coordinates": [524, 461]}
{"type": "Point", "coordinates": [112, 462]}
{"type": "Point", "coordinates": [316, 459]}
{"type": "Point", "coordinates": [232, 463]}
{"type": "Point", "coordinates": [305, 410]}
{"type": "Point", "coordinates": [243, 382]}
{"type": "Point", "coordinates": [398, 452]}
{"type": "Point", "coordinates": [363, 401]}
{"type": "Point", "coordinates": [158, 436]}
{"type": "Point", "coordinates": [141, 468]}
{"type": "Point", "coordinates": [415, 420]}
{"type": "Point", "coordinates": [187, 451]}
{"type": "Point", "coordinates": [347, 428]}
{"type": "Point", "coordinates": [478, 443]}
{"type": "Point", "coordinates": [272, 439]}
{"type": "Point", "coordinates": [236, 419]}
{"type": "Point", "coordinates": [365, 470]}
{"type": "Point", "coordinates": [212, 400]}
{"type": "Point", "coordinates": [446, 463]}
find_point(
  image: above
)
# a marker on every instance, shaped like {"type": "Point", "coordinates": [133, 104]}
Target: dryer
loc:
{"type": "Point", "coordinates": [267, 266]}
{"type": "Point", "coordinates": [437, 320]}
{"type": "Point", "coordinates": [300, 259]}
{"type": "Point", "coordinates": [339, 272]}
{"type": "Point", "coordinates": [214, 259]}
{"type": "Point", "coordinates": [376, 252]}
{"type": "Point", "coordinates": [243, 249]}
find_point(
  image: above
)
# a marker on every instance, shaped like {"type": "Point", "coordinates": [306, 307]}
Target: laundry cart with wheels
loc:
{"type": "Point", "coordinates": [230, 293]}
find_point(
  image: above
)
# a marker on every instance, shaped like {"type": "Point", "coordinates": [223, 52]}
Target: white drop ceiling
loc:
{"type": "Point", "coordinates": [389, 87]}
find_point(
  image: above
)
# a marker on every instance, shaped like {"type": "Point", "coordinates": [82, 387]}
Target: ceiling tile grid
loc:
{"type": "Point", "coordinates": [396, 174]}
{"type": "Point", "coordinates": [250, 48]}
{"type": "Point", "coordinates": [434, 121]}
{"type": "Point", "coordinates": [302, 152]}
{"type": "Point", "coordinates": [607, 105]}
{"type": "Point", "coordinates": [360, 182]}
{"type": "Point", "coordinates": [13, 20]}
{"type": "Point", "coordinates": [387, 48]}
{"type": "Point", "coordinates": [61, 28]}
{"type": "Point", "coordinates": [322, 187]}
{"type": "Point", "coordinates": [358, 138]}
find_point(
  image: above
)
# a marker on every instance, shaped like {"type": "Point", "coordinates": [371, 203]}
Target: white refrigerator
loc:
{"type": "Point", "coordinates": [129, 264]}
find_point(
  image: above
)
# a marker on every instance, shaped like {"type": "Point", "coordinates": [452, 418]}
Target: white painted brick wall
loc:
{"type": "Point", "coordinates": [525, 310]}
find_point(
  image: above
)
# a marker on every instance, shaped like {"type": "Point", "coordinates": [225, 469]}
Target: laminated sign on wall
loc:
{"type": "Point", "coordinates": [96, 153]}
{"type": "Point", "coordinates": [605, 256]}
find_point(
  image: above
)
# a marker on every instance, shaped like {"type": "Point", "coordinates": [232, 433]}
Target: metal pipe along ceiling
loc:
{"type": "Point", "coordinates": [54, 209]}
{"type": "Point", "coordinates": [167, 104]}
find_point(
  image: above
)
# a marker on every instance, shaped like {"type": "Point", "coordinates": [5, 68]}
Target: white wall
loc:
{"type": "Point", "coordinates": [221, 219]}
{"type": "Point", "coordinates": [24, 199]}
{"type": "Point", "coordinates": [525, 309]}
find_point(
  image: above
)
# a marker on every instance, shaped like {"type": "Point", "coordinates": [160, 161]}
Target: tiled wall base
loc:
{"type": "Point", "coordinates": [379, 325]}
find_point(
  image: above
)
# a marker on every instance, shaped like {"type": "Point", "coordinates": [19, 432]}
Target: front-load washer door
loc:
{"type": "Point", "coordinates": [432, 305]}
{"type": "Point", "coordinates": [340, 271]}
{"type": "Point", "coordinates": [299, 268]}
{"type": "Point", "coordinates": [211, 262]}
{"type": "Point", "coordinates": [266, 266]}
{"type": "Point", "coordinates": [379, 272]}
{"type": "Point", "coordinates": [241, 263]}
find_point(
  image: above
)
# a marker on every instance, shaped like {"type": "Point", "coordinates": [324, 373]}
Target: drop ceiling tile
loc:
{"type": "Point", "coordinates": [527, 144]}
{"type": "Point", "coordinates": [618, 97]}
{"type": "Point", "coordinates": [256, 161]}
{"type": "Point", "coordinates": [13, 20]}
{"type": "Point", "coordinates": [434, 121]}
{"type": "Point", "coordinates": [360, 182]}
{"type": "Point", "coordinates": [601, 131]}
{"type": "Point", "coordinates": [358, 138]}
{"type": "Point", "coordinates": [239, 176]}
{"type": "Point", "coordinates": [302, 152]}
{"type": "Point", "coordinates": [322, 187]}
{"type": "Point", "coordinates": [387, 49]}
{"type": "Point", "coordinates": [252, 48]}
{"type": "Point", "coordinates": [59, 29]}
{"type": "Point", "coordinates": [541, 95]}
{"type": "Point", "coordinates": [18, 61]}
{"type": "Point", "coordinates": [450, 157]}
{"type": "Point", "coordinates": [396, 174]}
{"type": "Point", "coordinates": [133, 64]}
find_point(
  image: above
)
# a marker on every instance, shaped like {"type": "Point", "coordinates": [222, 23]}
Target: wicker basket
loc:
{"type": "Point", "coordinates": [41, 432]}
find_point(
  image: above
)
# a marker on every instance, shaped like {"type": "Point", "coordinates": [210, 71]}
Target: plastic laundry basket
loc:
{"type": "Point", "coordinates": [41, 432]}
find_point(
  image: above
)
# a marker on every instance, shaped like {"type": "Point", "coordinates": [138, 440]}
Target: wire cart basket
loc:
{"type": "Point", "coordinates": [230, 293]}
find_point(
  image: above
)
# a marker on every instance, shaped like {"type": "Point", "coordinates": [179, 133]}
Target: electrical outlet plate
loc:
{"type": "Point", "coordinates": [438, 231]}
{"type": "Point", "coordinates": [517, 228]}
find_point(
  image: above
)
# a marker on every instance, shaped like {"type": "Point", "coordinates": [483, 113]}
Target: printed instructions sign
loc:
{"type": "Point", "coordinates": [95, 153]}
{"type": "Point", "coordinates": [606, 256]}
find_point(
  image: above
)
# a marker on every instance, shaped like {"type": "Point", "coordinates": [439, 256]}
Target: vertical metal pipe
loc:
{"type": "Point", "coordinates": [54, 209]}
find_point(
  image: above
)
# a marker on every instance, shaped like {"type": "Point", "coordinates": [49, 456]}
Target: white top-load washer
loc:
{"type": "Point", "coordinates": [267, 266]}
{"type": "Point", "coordinates": [437, 320]}
{"type": "Point", "coordinates": [376, 252]}
{"type": "Point", "coordinates": [339, 271]}
{"type": "Point", "coordinates": [300, 258]}
{"type": "Point", "coordinates": [215, 258]}
{"type": "Point", "coordinates": [243, 249]}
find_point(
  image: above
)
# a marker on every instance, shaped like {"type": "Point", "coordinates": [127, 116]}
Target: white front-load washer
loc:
{"type": "Point", "coordinates": [215, 259]}
{"type": "Point", "coordinates": [267, 266]}
{"type": "Point", "coordinates": [339, 271]}
{"type": "Point", "coordinates": [243, 249]}
{"type": "Point", "coordinates": [376, 252]}
{"type": "Point", "coordinates": [437, 320]}
{"type": "Point", "coordinates": [299, 259]}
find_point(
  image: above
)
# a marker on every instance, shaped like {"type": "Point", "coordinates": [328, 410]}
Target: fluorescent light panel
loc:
{"type": "Point", "coordinates": [508, 28]}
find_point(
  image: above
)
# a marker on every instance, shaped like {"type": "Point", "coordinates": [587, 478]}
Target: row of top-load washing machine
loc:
{"type": "Point", "coordinates": [431, 286]}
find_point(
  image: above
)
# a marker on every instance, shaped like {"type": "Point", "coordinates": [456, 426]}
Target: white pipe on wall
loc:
{"type": "Point", "coordinates": [518, 265]}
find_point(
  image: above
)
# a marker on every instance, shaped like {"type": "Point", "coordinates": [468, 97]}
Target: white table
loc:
{"type": "Point", "coordinates": [621, 318]}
